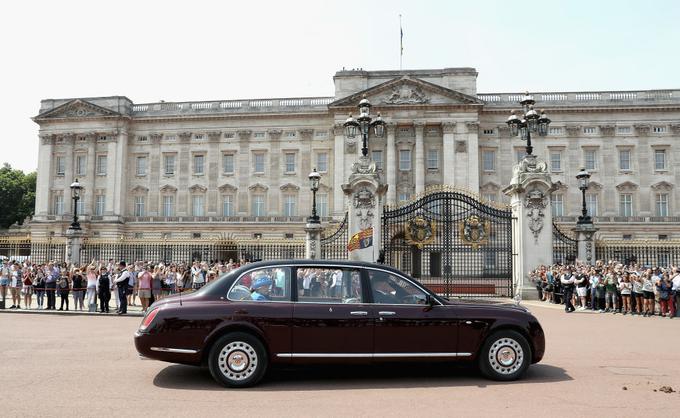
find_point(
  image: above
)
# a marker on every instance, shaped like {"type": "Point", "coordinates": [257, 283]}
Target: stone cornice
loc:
{"type": "Point", "coordinates": [274, 133]}
{"type": "Point", "coordinates": [449, 127]}
{"type": "Point", "coordinates": [642, 129]}
{"type": "Point", "coordinates": [607, 130]}
{"type": "Point", "coordinates": [156, 137]}
{"type": "Point", "coordinates": [244, 134]}
{"type": "Point", "coordinates": [306, 133]}
{"type": "Point", "coordinates": [184, 136]}
{"type": "Point", "coordinates": [573, 130]}
{"type": "Point", "coordinates": [214, 135]}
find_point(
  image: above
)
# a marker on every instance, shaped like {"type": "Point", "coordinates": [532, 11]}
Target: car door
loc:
{"type": "Point", "coordinates": [330, 318]}
{"type": "Point", "coordinates": [405, 326]}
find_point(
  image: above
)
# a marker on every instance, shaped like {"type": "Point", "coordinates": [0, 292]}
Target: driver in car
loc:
{"type": "Point", "coordinates": [261, 288]}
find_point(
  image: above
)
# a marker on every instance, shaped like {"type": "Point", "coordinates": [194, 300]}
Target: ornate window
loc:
{"type": "Point", "coordinates": [660, 160]}
{"type": "Point", "coordinates": [488, 161]}
{"type": "Point", "coordinates": [322, 162]}
{"type": "Point", "coordinates": [591, 204]}
{"type": "Point", "coordinates": [322, 204]}
{"type": "Point", "coordinates": [199, 160]}
{"type": "Point", "coordinates": [590, 159]}
{"type": "Point", "coordinates": [405, 160]}
{"type": "Point", "coordinates": [60, 164]}
{"type": "Point", "coordinates": [140, 167]}
{"type": "Point", "coordinates": [661, 204]}
{"type": "Point", "coordinates": [228, 163]}
{"type": "Point", "coordinates": [258, 163]}
{"type": "Point", "coordinates": [81, 165]}
{"type": "Point", "coordinates": [377, 157]}
{"type": "Point", "coordinates": [139, 205]}
{"type": "Point", "coordinates": [624, 160]}
{"type": "Point", "coordinates": [290, 162]}
{"type": "Point", "coordinates": [557, 204]}
{"type": "Point", "coordinates": [99, 204]}
{"type": "Point", "coordinates": [258, 207]}
{"type": "Point", "coordinates": [626, 204]}
{"type": "Point", "coordinates": [169, 164]}
{"type": "Point", "coordinates": [197, 200]}
{"type": "Point", "coordinates": [555, 161]}
{"type": "Point", "coordinates": [432, 159]}
{"type": "Point", "coordinates": [289, 205]}
{"type": "Point", "coordinates": [228, 205]}
{"type": "Point", "coordinates": [101, 165]}
{"type": "Point", "coordinates": [58, 203]}
{"type": "Point", "coordinates": [168, 205]}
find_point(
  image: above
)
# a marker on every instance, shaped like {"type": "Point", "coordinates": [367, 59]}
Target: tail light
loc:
{"type": "Point", "coordinates": [148, 319]}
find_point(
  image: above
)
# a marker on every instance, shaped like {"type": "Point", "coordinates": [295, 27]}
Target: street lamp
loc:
{"type": "Point", "coordinates": [364, 122]}
{"type": "Point", "coordinates": [529, 122]}
{"type": "Point", "coordinates": [75, 195]}
{"type": "Point", "coordinates": [583, 178]}
{"type": "Point", "coordinates": [314, 178]}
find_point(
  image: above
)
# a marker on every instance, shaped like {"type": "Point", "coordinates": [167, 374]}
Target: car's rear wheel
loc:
{"type": "Point", "coordinates": [505, 355]}
{"type": "Point", "coordinates": [237, 360]}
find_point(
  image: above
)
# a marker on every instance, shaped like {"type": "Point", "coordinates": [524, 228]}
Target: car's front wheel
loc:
{"type": "Point", "coordinates": [237, 360]}
{"type": "Point", "coordinates": [505, 355]}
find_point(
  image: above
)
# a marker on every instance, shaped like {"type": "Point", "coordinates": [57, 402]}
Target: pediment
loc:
{"type": "Point", "coordinates": [290, 187]}
{"type": "Point", "coordinates": [258, 187]}
{"type": "Point", "coordinates": [140, 189]}
{"type": "Point", "coordinates": [593, 185]}
{"type": "Point", "coordinates": [490, 187]}
{"type": "Point", "coordinates": [198, 188]}
{"type": "Point", "coordinates": [168, 188]}
{"type": "Point", "coordinates": [77, 108]}
{"type": "Point", "coordinates": [227, 188]}
{"type": "Point", "coordinates": [408, 91]}
{"type": "Point", "coordinates": [627, 186]}
{"type": "Point", "coordinates": [662, 186]}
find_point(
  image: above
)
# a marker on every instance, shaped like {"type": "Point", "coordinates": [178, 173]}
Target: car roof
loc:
{"type": "Point", "coordinates": [322, 263]}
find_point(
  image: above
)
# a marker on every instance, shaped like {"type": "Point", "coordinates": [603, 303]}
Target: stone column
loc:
{"type": "Point", "coordinates": [449, 152]}
{"type": "Point", "coordinates": [74, 242]}
{"type": "Point", "coordinates": [529, 192]}
{"type": "Point", "coordinates": [338, 170]}
{"type": "Point", "coordinates": [366, 194]}
{"type": "Point", "coordinates": [473, 156]}
{"type": "Point", "coordinates": [390, 164]}
{"type": "Point", "coordinates": [111, 176]}
{"type": "Point", "coordinates": [313, 241]}
{"type": "Point", "coordinates": [420, 157]}
{"type": "Point", "coordinates": [69, 142]}
{"type": "Point", "coordinates": [90, 185]}
{"type": "Point", "coordinates": [585, 234]}
{"type": "Point", "coordinates": [43, 189]}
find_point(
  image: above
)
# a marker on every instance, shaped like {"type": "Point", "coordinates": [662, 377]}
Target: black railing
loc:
{"type": "Point", "coordinates": [334, 244]}
{"type": "Point", "coordinates": [565, 248]}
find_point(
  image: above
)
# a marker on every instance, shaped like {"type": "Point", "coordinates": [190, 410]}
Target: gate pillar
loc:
{"type": "Point", "coordinates": [585, 234]}
{"type": "Point", "coordinates": [366, 196]}
{"type": "Point", "coordinates": [529, 192]}
{"type": "Point", "coordinates": [313, 241]}
{"type": "Point", "coordinates": [74, 242]}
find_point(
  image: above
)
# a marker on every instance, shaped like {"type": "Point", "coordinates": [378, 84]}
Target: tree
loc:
{"type": "Point", "coordinates": [17, 195]}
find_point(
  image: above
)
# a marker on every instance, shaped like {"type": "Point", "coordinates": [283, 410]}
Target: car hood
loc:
{"type": "Point", "coordinates": [486, 304]}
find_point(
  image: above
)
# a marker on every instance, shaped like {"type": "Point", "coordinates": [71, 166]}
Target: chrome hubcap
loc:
{"type": "Point", "coordinates": [506, 356]}
{"type": "Point", "coordinates": [237, 360]}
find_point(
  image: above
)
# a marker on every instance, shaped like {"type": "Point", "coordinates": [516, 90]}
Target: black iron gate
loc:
{"type": "Point", "coordinates": [565, 248]}
{"type": "Point", "coordinates": [451, 242]}
{"type": "Point", "coordinates": [334, 242]}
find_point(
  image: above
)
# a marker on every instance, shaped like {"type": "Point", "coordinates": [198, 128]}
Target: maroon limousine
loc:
{"type": "Point", "coordinates": [303, 311]}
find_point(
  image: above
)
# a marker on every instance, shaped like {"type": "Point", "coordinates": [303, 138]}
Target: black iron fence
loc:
{"type": "Point", "coordinates": [661, 253]}
{"type": "Point", "coordinates": [565, 247]}
{"type": "Point", "coordinates": [334, 242]}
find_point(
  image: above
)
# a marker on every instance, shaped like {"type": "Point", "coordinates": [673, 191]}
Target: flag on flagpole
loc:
{"type": "Point", "coordinates": [401, 38]}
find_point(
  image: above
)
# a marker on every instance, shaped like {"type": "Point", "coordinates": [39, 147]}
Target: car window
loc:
{"type": "Point", "coordinates": [390, 289]}
{"type": "Point", "coordinates": [263, 285]}
{"type": "Point", "coordinates": [329, 285]}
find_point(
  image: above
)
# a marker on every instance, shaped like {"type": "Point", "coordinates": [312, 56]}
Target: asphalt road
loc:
{"type": "Point", "coordinates": [58, 365]}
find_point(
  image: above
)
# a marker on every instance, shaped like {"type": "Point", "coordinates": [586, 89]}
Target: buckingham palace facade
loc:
{"type": "Point", "coordinates": [239, 168]}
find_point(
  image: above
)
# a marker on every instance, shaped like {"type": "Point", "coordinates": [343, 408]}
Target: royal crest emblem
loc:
{"type": "Point", "coordinates": [420, 231]}
{"type": "Point", "coordinates": [474, 231]}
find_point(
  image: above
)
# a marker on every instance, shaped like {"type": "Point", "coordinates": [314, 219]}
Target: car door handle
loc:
{"type": "Point", "coordinates": [386, 313]}
{"type": "Point", "coordinates": [359, 313]}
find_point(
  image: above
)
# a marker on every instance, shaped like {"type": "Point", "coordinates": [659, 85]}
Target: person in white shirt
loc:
{"type": "Point", "coordinates": [122, 282]}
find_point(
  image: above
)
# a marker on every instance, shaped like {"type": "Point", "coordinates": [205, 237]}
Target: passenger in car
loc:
{"type": "Point", "coordinates": [260, 288]}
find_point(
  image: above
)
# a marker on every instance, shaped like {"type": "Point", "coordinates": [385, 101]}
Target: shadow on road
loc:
{"type": "Point", "coordinates": [343, 377]}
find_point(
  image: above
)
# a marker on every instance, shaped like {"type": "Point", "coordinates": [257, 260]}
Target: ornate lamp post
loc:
{"type": "Point", "coordinates": [529, 122]}
{"type": "Point", "coordinates": [583, 178]}
{"type": "Point", "coordinates": [75, 195]}
{"type": "Point", "coordinates": [314, 178]}
{"type": "Point", "coordinates": [364, 122]}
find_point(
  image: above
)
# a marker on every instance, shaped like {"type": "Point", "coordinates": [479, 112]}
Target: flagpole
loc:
{"type": "Point", "coordinates": [401, 45]}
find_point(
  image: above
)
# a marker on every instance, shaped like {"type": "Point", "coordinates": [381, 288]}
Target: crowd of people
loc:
{"type": "Point", "coordinates": [92, 286]}
{"type": "Point", "coordinates": [611, 287]}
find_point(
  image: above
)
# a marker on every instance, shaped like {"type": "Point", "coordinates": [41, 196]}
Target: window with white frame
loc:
{"type": "Point", "coordinates": [659, 159]}
{"type": "Point", "coordinates": [290, 134]}
{"type": "Point", "coordinates": [322, 162]}
{"type": "Point", "coordinates": [626, 204]}
{"type": "Point", "coordinates": [169, 164]}
{"type": "Point", "coordinates": [80, 205]}
{"type": "Point", "coordinates": [199, 160]}
{"type": "Point", "coordinates": [432, 159]}
{"type": "Point", "coordinates": [591, 204]}
{"type": "Point", "coordinates": [228, 205]}
{"type": "Point", "coordinates": [555, 161]}
{"type": "Point", "coordinates": [589, 159]}
{"type": "Point", "coordinates": [658, 129]}
{"type": "Point", "coordinates": [662, 204]}
{"type": "Point", "coordinates": [322, 204]}
{"type": "Point", "coordinates": [258, 163]}
{"type": "Point", "coordinates": [404, 197]}
{"type": "Point", "coordinates": [168, 205]}
{"type": "Point", "coordinates": [623, 130]}
{"type": "Point", "coordinates": [81, 165]}
{"type": "Point", "coordinates": [405, 159]}
{"type": "Point", "coordinates": [488, 160]}
{"type": "Point", "coordinates": [101, 165]}
{"type": "Point", "coordinates": [99, 204]}
{"type": "Point", "coordinates": [557, 204]}
{"type": "Point", "coordinates": [257, 205]}
{"type": "Point", "coordinates": [289, 205]}
{"type": "Point", "coordinates": [490, 197]}
{"type": "Point", "coordinates": [589, 130]}
{"type": "Point", "coordinates": [377, 157]}
{"type": "Point", "coordinates": [624, 160]}
{"type": "Point", "coordinates": [488, 131]}
{"type": "Point", "coordinates": [58, 204]}
{"type": "Point", "coordinates": [321, 134]}
{"type": "Point", "coordinates": [258, 135]}
{"type": "Point", "coordinates": [139, 206]}
{"type": "Point", "coordinates": [197, 205]}
{"type": "Point", "coordinates": [141, 166]}
{"type": "Point", "coordinates": [228, 163]}
{"type": "Point", "coordinates": [60, 164]}
{"type": "Point", "coordinates": [290, 162]}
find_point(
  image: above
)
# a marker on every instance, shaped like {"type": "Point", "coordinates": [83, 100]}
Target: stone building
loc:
{"type": "Point", "coordinates": [238, 168]}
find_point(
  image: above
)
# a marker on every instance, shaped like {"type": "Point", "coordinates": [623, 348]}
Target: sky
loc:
{"type": "Point", "coordinates": [208, 50]}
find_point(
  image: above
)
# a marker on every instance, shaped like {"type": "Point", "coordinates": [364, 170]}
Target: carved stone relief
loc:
{"type": "Point", "coordinates": [535, 204]}
{"type": "Point", "coordinates": [406, 95]}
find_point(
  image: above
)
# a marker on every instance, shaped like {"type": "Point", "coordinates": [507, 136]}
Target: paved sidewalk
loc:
{"type": "Point", "coordinates": [132, 310]}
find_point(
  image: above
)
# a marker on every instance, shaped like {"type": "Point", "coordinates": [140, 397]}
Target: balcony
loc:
{"type": "Point", "coordinates": [595, 98]}
{"type": "Point", "coordinates": [221, 219]}
{"type": "Point", "coordinates": [300, 104]}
